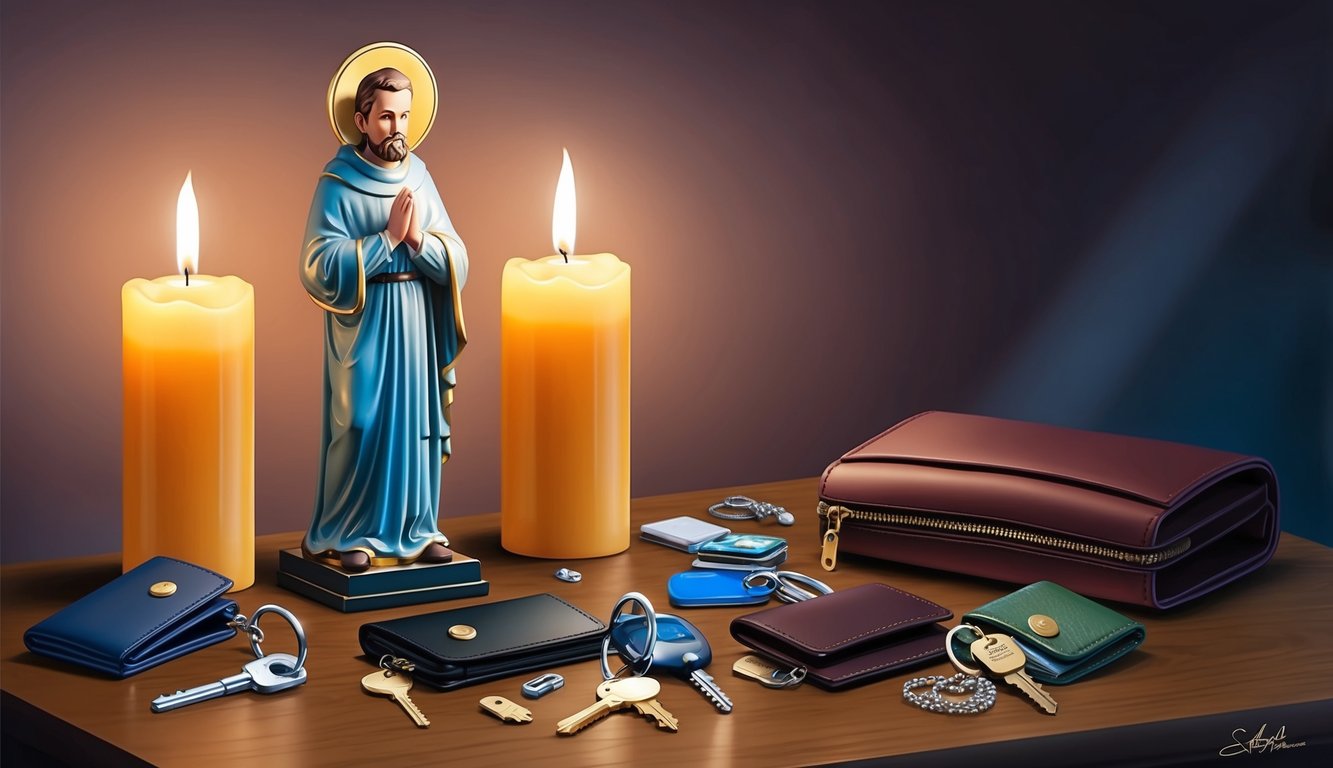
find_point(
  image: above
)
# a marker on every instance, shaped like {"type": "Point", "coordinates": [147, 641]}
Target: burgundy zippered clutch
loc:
{"type": "Point", "coordinates": [1129, 519]}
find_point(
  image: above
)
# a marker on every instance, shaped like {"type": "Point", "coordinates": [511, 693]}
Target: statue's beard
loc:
{"type": "Point", "coordinates": [392, 149]}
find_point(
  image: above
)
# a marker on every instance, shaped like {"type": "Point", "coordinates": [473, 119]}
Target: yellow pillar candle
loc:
{"type": "Point", "coordinates": [564, 401]}
{"type": "Point", "coordinates": [188, 366]}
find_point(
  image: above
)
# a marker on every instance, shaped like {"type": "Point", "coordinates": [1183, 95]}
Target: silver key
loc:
{"type": "Point", "coordinates": [1003, 657]}
{"type": "Point", "coordinates": [706, 685]}
{"type": "Point", "coordinates": [268, 674]}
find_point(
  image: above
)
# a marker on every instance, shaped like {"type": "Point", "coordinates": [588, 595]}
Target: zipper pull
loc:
{"type": "Point", "coordinates": [830, 556]}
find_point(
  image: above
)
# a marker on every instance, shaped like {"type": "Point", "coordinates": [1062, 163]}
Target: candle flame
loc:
{"type": "Point", "coordinates": [187, 229]}
{"type": "Point", "coordinates": [563, 215]}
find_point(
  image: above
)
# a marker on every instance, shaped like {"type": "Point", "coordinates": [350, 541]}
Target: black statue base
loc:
{"type": "Point", "coordinates": [384, 587]}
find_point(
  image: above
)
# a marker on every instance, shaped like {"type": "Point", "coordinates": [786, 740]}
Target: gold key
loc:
{"type": "Point", "coordinates": [1002, 656]}
{"type": "Point", "coordinates": [395, 685]}
{"type": "Point", "coordinates": [506, 710]}
{"type": "Point", "coordinates": [654, 709]}
{"type": "Point", "coordinates": [612, 695]}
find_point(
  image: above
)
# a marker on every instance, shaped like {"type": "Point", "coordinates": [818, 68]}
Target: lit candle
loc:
{"type": "Point", "coordinates": [564, 397]}
{"type": "Point", "coordinates": [189, 403]}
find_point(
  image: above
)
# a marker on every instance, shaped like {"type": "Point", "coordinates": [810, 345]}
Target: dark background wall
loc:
{"type": "Point", "coordinates": [1112, 215]}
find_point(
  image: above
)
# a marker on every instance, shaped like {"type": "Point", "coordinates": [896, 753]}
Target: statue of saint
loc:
{"type": "Point", "coordinates": [383, 261]}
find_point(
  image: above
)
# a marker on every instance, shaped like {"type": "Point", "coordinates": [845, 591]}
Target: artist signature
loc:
{"type": "Point", "coordinates": [1258, 743]}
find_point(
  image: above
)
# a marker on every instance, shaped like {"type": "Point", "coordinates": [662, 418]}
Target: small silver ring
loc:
{"type": "Point", "coordinates": [948, 648]}
{"type": "Point", "coordinates": [650, 643]}
{"type": "Point", "coordinates": [296, 627]}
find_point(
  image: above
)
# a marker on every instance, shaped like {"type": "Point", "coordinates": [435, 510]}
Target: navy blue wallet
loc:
{"type": "Point", "coordinates": [158, 611]}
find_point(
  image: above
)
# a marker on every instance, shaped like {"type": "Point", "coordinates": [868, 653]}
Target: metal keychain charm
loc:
{"type": "Point", "coordinates": [789, 586]}
{"type": "Point", "coordinates": [250, 626]}
{"type": "Point", "coordinates": [746, 508]}
{"type": "Point", "coordinates": [650, 642]}
{"type": "Point", "coordinates": [541, 685]}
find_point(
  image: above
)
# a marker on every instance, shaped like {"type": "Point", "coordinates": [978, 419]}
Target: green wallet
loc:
{"type": "Point", "coordinates": [1065, 635]}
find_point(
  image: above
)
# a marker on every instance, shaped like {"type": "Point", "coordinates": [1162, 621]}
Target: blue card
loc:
{"type": "Point", "coordinates": [710, 587]}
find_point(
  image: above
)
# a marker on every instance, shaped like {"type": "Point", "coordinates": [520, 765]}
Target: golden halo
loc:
{"type": "Point", "coordinates": [342, 89]}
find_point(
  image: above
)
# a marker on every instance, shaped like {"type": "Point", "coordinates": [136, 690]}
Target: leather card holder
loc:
{"type": "Point", "coordinates": [1065, 636]}
{"type": "Point", "coordinates": [123, 628]}
{"type": "Point", "coordinates": [850, 637]}
{"type": "Point", "coordinates": [507, 637]}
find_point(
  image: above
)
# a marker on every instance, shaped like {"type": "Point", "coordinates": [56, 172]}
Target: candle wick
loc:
{"type": "Point", "coordinates": [187, 277]}
{"type": "Point", "coordinates": [565, 253]}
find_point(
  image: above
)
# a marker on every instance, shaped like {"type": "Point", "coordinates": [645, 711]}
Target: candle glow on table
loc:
{"type": "Point", "coordinates": [564, 398]}
{"type": "Point", "coordinates": [188, 366]}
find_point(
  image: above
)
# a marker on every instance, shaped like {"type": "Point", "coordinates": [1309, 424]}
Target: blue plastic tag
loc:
{"type": "Point", "coordinates": [701, 588]}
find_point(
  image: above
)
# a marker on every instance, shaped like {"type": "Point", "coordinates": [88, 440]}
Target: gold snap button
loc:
{"type": "Point", "coordinates": [1043, 625]}
{"type": "Point", "coordinates": [163, 589]}
{"type": "Point", "coordinates": [462, 632]}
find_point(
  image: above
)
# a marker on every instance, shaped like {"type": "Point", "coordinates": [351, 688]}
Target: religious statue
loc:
{"type": "Point", "coordinates": [383, 261]}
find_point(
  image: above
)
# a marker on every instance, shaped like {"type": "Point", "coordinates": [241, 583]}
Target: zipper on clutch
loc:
{"type": "Point", "coordinates": [829, 558]}
{"type": "Point", "coordinates": [835, 514]}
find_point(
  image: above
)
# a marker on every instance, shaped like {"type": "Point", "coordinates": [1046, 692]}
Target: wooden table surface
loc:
{"type": "Point", "coordinates": [1254, 654]}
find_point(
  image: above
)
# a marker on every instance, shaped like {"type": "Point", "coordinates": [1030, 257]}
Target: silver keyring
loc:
{"type": "Point", "coordinates": [750, 509]}
{"type": "Point", "coordinates": [649, 644]}
{"type": "Point", "coordinates": [256, 639]}
{"type": "Point", "coordinates": [948, 648]}
{"type": "Point", "coordinates": [788, 585]}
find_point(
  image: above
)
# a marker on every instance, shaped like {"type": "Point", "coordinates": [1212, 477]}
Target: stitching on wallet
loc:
{"type": "Point", "coordinates": [893, 663]}
{"type": "Point", "coordinates": [994, 619]}
{"type": "Point", "coordinates": [198, 601]}
{"type": "Point", "coordinates": [866, 633]}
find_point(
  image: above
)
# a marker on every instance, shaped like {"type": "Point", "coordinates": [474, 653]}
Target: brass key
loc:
{"type": "Point", "coordinates": [1003, 657]}
{"type": "Point", "coordinates": [506, 710]}
{"type": "Point", "coordinates": [654, 709]}
{"type": "Point", "coordinates": [395, 685]}
{"type": "Point", "coordinates": [767, 674]}
{"type": "Point", "coordinates": [612, 695]}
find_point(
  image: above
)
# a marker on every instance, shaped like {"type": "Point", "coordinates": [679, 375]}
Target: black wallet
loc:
{"type": "Point", "coordinates": [158, 611]}
{"type": "Point", "coordinates": [463, 646]}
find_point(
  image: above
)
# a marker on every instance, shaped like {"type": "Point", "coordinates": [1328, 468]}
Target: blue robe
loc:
{"type": "Point", "coordinates": [389, 349]}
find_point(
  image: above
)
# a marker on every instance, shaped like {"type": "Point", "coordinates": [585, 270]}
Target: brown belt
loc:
{"type": "Point", "coordinates": [394, 277]}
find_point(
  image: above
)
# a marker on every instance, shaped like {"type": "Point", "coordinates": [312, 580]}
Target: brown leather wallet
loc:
{"type": "Point", "coordinates": [1121, 518]}
{"type": "Point", "coordinates": [850, 637]}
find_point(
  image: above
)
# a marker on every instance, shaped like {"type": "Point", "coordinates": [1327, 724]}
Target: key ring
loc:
{"type": "Point", "coordinates": [251, 627]}
{"type": "Point", "coordinates": [392, 665]}
{"type": "Point", "coordinates": [650, 616]}
{"type": "Point", "coordinates": [750, 509]}
{"type": "Point", "coordinates": [788, 585]}
{"type": "Point", "coordinates": [948, 648]}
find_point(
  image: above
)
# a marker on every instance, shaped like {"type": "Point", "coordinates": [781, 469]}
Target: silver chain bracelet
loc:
{"type": "Point", "coordinates": [746, 508]}
{"type": "Point", "coordinates": [982, 690]}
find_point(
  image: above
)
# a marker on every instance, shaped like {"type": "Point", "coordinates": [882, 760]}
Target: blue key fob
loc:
{"type": "Point", "coordinates": [675, 638]}
{"type": "Point", "coordinates": [713, 587]}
